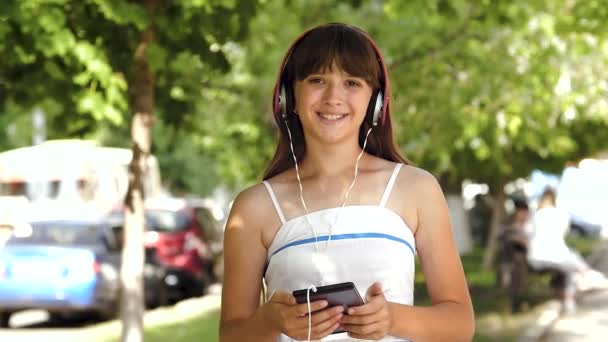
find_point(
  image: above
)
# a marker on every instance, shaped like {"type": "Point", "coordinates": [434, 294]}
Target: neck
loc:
{"type": "Point", "coordinates": [330, 161]}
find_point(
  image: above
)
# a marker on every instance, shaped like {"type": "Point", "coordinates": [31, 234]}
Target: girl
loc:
{"type": "Point", "coordinates": [340, 204]}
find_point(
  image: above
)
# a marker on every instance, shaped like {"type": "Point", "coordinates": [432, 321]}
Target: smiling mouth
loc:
{"type": "Point", "coordinates": [331, 117]}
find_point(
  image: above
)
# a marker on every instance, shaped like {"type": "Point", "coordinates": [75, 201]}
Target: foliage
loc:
{"type": "Point", "coordinates": [485, 90]}
{"type": "Point", "coordinates": [74, 60]}
{"type": "Point", "coordinates": [480, 90]}
{"type": "Point", "coordinates": [484, 93]}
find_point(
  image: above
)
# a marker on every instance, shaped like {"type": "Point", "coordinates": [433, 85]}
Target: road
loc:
{"type": "Point", "coordinates": [34, 325]}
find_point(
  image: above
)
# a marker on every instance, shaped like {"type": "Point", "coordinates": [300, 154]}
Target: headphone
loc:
{"type": "Point", "coordinates": [378, 107]}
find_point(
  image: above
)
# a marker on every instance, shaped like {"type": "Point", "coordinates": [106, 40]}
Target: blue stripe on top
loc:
{"type": "Point", "coordinates": [346, 237]}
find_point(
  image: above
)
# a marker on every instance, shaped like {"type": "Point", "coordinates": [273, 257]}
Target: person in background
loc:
{"type": "Point", "coordinates": [512, 272]}
{"type": "Point", "coordinates": [480, 217]}
{"type": "Point", "coordinates": [547, 249]}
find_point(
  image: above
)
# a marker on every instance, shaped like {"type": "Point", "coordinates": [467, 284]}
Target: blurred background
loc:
{"type": "Point", "coordinates": [498, 99]}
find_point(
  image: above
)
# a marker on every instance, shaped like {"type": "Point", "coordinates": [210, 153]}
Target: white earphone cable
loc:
{"type": "Point", "coordinates": [351, 185]}
{"type": "Point", "coordinates": [314, 289]}
{"type": "Point", "coordinates": [293, 154]}
{"type": "Point", "coordinates": [295, 160]}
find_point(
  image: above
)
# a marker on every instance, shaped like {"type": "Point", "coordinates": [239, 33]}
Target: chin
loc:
{"type": "Point", "coordinates": [336, 137]}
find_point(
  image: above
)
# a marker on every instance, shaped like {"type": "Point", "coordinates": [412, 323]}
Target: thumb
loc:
{"type": "Point", "coordinates": [282, 297]}
{"type": "Point", "coordinates": [374, 290]}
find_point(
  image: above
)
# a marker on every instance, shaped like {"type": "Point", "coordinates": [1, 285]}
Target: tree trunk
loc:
{"type": "Point", "coordinates": [498, 211]}
{"type": "Point", "coordinates": [131, 273]}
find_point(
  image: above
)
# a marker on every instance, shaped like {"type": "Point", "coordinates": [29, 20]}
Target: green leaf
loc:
{"type": "Point", "coordinates": [157, 57]}
{"type": "Point", "coordinates": [91, 102]}
{"type": "Point", "coordinates": [52, 19]}
{"type": "Point", "coordinates": [123, 12]}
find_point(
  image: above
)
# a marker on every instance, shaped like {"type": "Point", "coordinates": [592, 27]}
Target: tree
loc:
{"type": "Point", "coordinates": [106, 58]}
{"type": "Point", "coordinates": [510, 86]}
{"type": "Point", "coordinates": [485, 91]}
{"type": "Point", "coordinates": [475, 85]}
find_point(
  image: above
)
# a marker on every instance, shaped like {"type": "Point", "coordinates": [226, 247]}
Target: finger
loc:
{"type": "Point", "coordinates": [360, 330]}
{"type": "Point", "coordinates": [318, 332]}
{"type": "Point", "coordinates": [302, 309]}
{"type": "Point", "coordinates": [329, 314]}
{"type": "Point", "coordinates": [325, 326]}
{"type": "Point", "coordinates": [374, 336]}
{"type": "Point", "coordinates": [283, 297]}
{"type": "Point", "coordinates": [360, 320]}
{"type": "Point", "coordinates": [368, 308]}
{"type": "Point", "coordinates": [324, 333]}
{"type": "Point", "coordinates": [320, 323]}
{"type": "Point", "coordinates": [374, 290]}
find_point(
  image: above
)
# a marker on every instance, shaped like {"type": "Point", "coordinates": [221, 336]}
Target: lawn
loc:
{"type": "Point", "coordinates": [191, 320]}
{"type": "Point", "coordinates": [202, 328]}
{"type": "Point", "coordinates": [492, 307]}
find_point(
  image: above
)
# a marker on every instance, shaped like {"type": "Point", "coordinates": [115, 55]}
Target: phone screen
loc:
{"type": "Point", "coordinates": [344, 294]}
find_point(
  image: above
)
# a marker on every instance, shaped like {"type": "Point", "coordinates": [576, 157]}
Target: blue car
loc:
{"type": "Point", "coordinates": [64, 267]}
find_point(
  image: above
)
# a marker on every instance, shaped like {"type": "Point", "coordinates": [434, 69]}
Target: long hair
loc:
{"type": "Point", "coordinates": [324, 47]}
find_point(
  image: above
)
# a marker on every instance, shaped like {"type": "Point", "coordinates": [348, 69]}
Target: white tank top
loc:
{"type": "Point", "coordinates": [368, 243]}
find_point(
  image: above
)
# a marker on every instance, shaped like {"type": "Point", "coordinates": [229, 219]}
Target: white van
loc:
{"type": "Point", "coordinates": [72, 170]}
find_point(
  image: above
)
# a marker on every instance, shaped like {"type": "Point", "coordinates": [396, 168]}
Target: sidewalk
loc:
{"type": "Point", "coordinates": [590, 321]}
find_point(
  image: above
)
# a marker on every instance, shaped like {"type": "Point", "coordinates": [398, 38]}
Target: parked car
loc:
{"type": "Point", "coordinates": [61, 266]}
{"type": "Point", "coordinates": [177, 235]}
{"type": "Point", "coordinates": [212, 219]}
{"type": "Point", "coordinates": [155, 291]}
{"type": "Point", "coordinates": [174, 240]}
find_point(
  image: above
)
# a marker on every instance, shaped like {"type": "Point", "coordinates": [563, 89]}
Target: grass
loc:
{"type": "Point", "coordinates": [198, 328]}
{"type": "Point", "coordinates": [193, 320]}
{"type": "Point", "coordinates": [202, 328]}
{"type": "Point", "coordinates": [494, 320]}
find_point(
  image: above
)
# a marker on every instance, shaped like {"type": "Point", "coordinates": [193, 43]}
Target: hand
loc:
{"type": "Point", "coordinates": [290, 318]}
{"type": "Point", "coordinates": [371, 321]}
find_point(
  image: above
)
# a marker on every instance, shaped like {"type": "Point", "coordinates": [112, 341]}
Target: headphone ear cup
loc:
{"type": "Point", "coordinates": [282, 101]}
{"type": "Point", "coordinates": [374, 109]}
{"type": "Point", "coordinates": [289, 100]}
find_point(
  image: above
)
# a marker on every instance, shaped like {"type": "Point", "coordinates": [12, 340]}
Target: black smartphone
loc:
{"type": "Point", "coordinates": [344, 294]}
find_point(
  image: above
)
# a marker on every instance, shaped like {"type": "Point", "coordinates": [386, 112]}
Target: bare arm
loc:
{"type": "Point", "coordinates": [450, 317]}
{"type": "Point", "coordinates": [244, 256]}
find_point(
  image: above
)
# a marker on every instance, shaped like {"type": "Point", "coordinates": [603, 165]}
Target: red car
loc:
{"type": "Point", "coordinates": [175, 231]}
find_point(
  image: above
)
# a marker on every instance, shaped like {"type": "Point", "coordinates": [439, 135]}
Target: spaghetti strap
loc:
{"type": "Point", "coordinates": [389, 185]}
{"type": "Point", "coordinates": [274, 201]}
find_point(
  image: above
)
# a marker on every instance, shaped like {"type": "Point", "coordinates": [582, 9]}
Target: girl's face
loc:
{"type": "Point", "coordinates": [332, 104]}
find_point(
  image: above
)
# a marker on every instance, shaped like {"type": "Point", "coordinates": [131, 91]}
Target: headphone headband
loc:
{"type": "Point", "coordinates": [279, 100]}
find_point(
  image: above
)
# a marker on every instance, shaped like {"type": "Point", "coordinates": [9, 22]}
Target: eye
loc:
{"type": "Point", "coordinates": [353, 83]}
{"type": "Point", "coordinates": [315, 80]}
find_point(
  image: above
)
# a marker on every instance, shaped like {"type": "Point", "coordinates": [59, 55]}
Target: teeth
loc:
{"type": "Point", "coordinates": [332, 117]}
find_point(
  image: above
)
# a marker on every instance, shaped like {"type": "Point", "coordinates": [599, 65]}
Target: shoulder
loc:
{"type": "Point", "coordinates": [250, 207]}
{"type": "Point", "coordinates": [418, 182]}
{"type": "Point", "coordinates": [247, 198]}
{"type": "Point", "coordinates": [417, 194]}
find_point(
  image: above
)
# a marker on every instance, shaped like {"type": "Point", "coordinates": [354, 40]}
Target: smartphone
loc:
{"type": "Point", "coordinates": [344, 294]}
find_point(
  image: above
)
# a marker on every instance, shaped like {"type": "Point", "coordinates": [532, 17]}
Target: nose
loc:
{"type": "Point", "coordinates": [334, 94]}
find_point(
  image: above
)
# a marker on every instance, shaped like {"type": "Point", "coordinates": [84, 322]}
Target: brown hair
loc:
{"type": "Point", "coordinates": [548, 197]}
{"type": "Point", "coordinates": [350, 49]}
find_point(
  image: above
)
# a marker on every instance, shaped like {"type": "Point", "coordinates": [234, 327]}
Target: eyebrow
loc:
{"type": "Point", "coordinates": [318, 73]}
